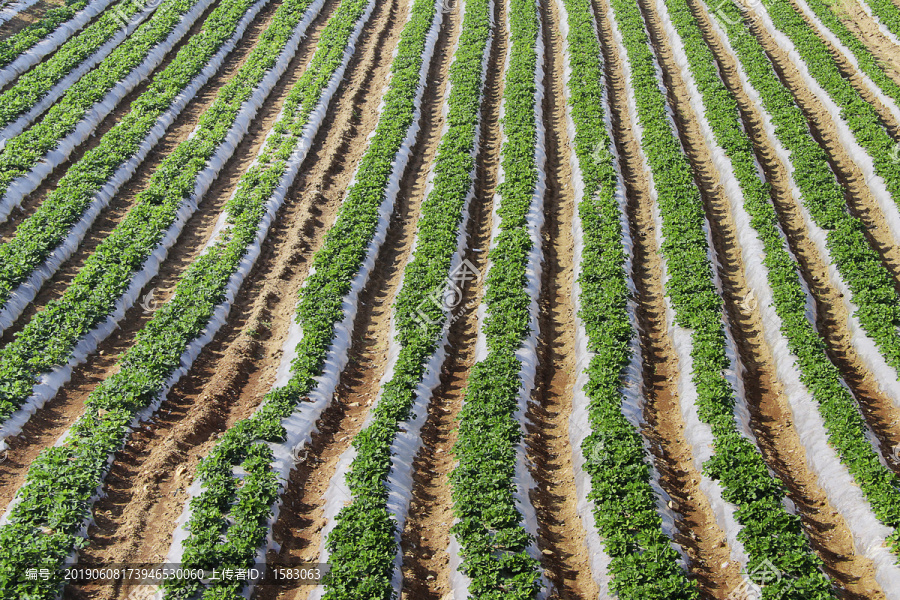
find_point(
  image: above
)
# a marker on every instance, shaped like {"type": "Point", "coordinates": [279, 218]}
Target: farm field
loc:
{"type": "Point", "coordinates": [447, 299]}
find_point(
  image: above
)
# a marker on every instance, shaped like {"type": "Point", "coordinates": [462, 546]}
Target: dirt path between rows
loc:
{"type": "Point", "coordinates": [561, 534]}
{"type": "Point", "coordinates": [48, 423]}
{"type": "Point", "coordinates": [856, 192]}
{"type": "Point", "coordinates": [238, 368]}
{"type": "Point", "coordinates": [426, 536]}
{"type": "Point", "coordinates": [300, 523]}
{"type": "Point", "coordinates": [699, 535]}
{"type": "Point", "coordinates": [866, 30]}
{"type": "Point", "coordinates": [771, 417]}
{"type": "Point", "coordinates": [29, 203]}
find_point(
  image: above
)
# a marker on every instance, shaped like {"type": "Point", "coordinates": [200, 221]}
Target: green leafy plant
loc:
{"type": "Point", "coordinates": [768, 532]}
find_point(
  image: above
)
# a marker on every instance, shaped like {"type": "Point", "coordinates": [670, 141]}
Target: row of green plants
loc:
{"type": "Point", "coordinates": [48, 228]}
{"type": "Point", "coordinates": [27, 37]}
{"type": "Point", "coordinates": [861, 116]}
{"type": "Point", "coordinates": [34, 85]}
{"type": "Point", "coordinates": [494, 544]}
{"type": "Point", "coordinates": [846, 426]}
{"type": "Point", "coordinates": [49, 339]}
{"type": "Point", "coordinates": [228, 522]}
{"type": "Point", "coordinates": [768, 531]}
{"type": "Point", "coordinates": [46, 524]}
{"type": "Point", "coordinates": [888, 14]}
{"type": "Point", "coordinates": [864, 58]}
{"type": "Point", "coordinates": [643, 564]}
{"type": "Point", "coordinates": [870, 283]}
{"type": "Point", "coordinates": [25, 150]}
{"type": "Point", "coordinates": [363, 565]}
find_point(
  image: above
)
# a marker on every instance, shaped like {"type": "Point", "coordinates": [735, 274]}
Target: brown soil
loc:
{"type": "Point", "coordinates": [867, 31]}
{"type": "Point", "coordinates": [27, 16]}
{"type": "Point", "coordinates": [831, 314]}
{"type": "Point", "coordinates": [47, 424]}
{"type": "Point", "coordinates": [771, 416]}
{"type": "Point", "coordinates": [822, 127]}
{"type": "Point", "coordinates": [426, 536]}
{"type": "Point", "coordinates": [30, 202]}
{"type": "Point", "coordinates": [561, 534]}
{"type": "Point", "coordinates": [298, 528]}
{"type": "Point", "coordinates": [233, 373]}
{"type": "Point", "coordinates": [854, 76]}
{"type": "Point", "coordinates": [698, 533]}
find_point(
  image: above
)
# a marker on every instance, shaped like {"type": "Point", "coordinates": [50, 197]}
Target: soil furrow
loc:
{"type": "Point", "coordinates": [227, 381]}
{"type": "Point", "coordinates": [822, 127]}
{"type": "Point", "coordinates": [832, 316]}
{"type": "Point", "coordinates": [698, 533]}
{"type": "Point", "coordinates": [301, 521]}
{"type": "Point", "coordinates": [426, 536]}
{"type": "Point", "coordinates": [854, 76]}
{"type": "Point", "coordinates": [867, 31]}
{"type": "Point", "coordinates": [561, 535]}
{"type": "Point", "coordinates": [49, 422]}
{"type": "Point", "coordinates": [207, 213]}
{"type": "Point", "coordinates": [771, 416]}
{"type": "Point", "coordinates": [30, 202]}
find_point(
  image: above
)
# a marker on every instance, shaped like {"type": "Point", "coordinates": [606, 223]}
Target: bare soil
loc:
{"type": "Point", "coordinates": [699, 535]}
{"type": "Point", "coordinates": [771, 417]}
{"type": "Point", "coordinates": [561, 534]}
{"type": "Point", "coordinates": [300, 523]}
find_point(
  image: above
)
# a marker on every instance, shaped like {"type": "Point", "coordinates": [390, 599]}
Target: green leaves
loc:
{"type": "Point", "coordinates": [768, 532]}
{"type": "Point", "coordinates": [878, 303]}
{"type": "Point", "coordinates": [493, 542]}
{"type": "Point", "coordinates": [643, 563]}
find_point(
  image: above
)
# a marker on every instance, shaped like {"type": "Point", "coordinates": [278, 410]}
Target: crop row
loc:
{"type": "Point", "coordinates": [48, 516]}
{"type": "Point", "coordinates": [92, 97]}
{"type": "Point", "coordinates": [768, 532]}
{"type": "Point", "coordinates": [228, 522]}
{"type": "Point", "coordinates": [864, 58]}
{"type": "Point", "coordinates": [108, 282]}
{"type": "Point", "coordinates": [846, 427]}
{"type": "Point", "coordinates": [31, 93]}
{"type": "Point", "coordinates": [643, 564]}
{"type": "Point", "coordinates": [364, 565]}
{"type": "Point", "coordinates": [49, 236]}
{"type": "Point", "coordinates": [870, 283]}
{"type": "Point", "coordinates": [494, 544]}
{"type": "Point", "coordinates": [21, 41]}
{"type": "Point", "coordinates": [888, 14]}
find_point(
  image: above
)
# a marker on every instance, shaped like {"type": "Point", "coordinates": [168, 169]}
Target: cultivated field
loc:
{"type": "Point", "coordinates": [447, 299]}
